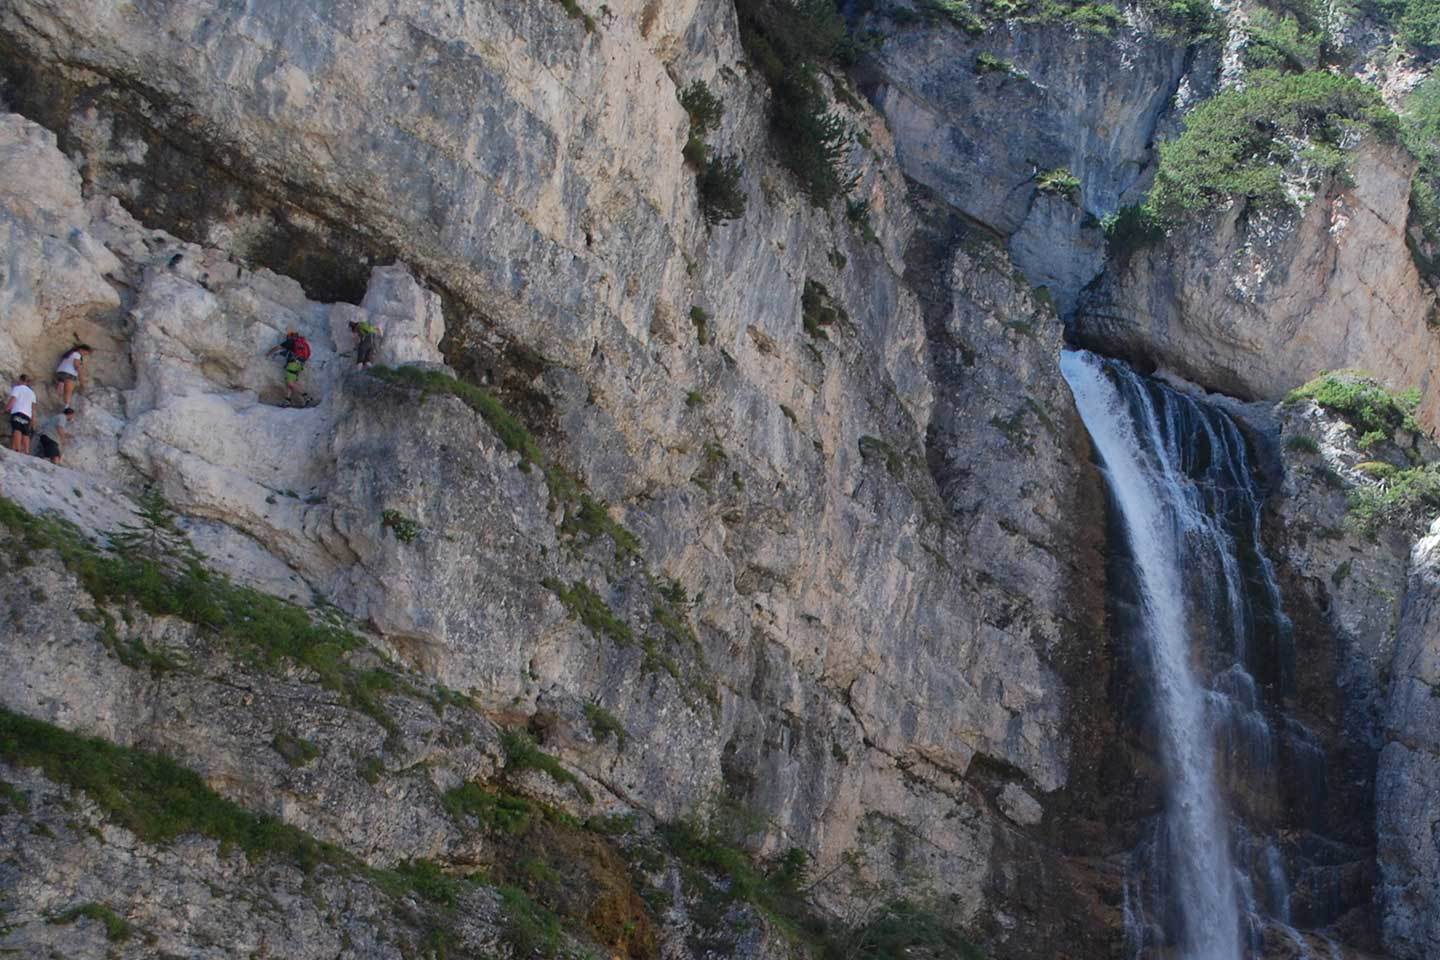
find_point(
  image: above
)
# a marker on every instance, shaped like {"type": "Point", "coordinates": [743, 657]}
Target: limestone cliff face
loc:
{"type": "Point", "coordinates": [979, 119]}
{"type": "Point", "coordinates": [864, 600]}
{"type": "Point", "coordinates": [1258, 303]}
{"type": "Point", "coordinates": [1409, 773]}
{"type": "Point", "coordinates": [856, 649]}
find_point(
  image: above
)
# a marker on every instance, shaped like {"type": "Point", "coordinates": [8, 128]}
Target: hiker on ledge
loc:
{"type": "Point", "coordinates": [367, 338]}
{"type": "Point", "coordinates": [54, 431]}
{"type": "Point", "coordinates": [21, 408]}
{"type": "Point", "coordinates": [70, 371]}
{"type": "Point", "coordinates": [296, 351]}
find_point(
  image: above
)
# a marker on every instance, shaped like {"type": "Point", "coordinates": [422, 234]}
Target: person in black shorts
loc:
{"type": "Point", "coordinates": [21, 407]}
{"type": "Point", "coordinates": [55, 431]}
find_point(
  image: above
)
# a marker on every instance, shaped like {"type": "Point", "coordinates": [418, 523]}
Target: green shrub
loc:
{"type": "Point", "coordinates": [405, 529]}
{"type": "Point", "coordinates": [13, 798]}
{"type": "Point", "coordinates": [427, 880]}
{"type": "Point", "coordinates": [1097, 18]}
{"type": "Point", "coordinates": [811, 140]}
{"type": "Point", "coordinates": [530, 929]}
{"type": "Point", "coordinates": [371, 769]}
{"type": "Point", "coordinates": [789, 41]}
{"type": "Point", "coordinates": [1420, 127]}
{"type": "Point", "coordinates": [1377, 469]}
{"type": "Point", "coordinates": [1373, 411]}
{"type": "Point", "coordinates": [1131, 228]}
{"type": "Point", "coordinates": [699, 847]}
{"type": "Point", "coordinates": [818, 310]}
{"type": "Point", "coordinates": [1190, 19]}
{"type": "Point", "coordinates": [717, 177]}
{"type": "Point", "coordinates": [989, 63]}
{"type": "Point", "coordinates": [721, 196]}
{"type": "Point", "coordinates": [1406, 500]}
{"type": "Point", "coordinates": [604, 725]}
{"type": "Point", "coordinates": [117, 929]}
{"type": "Point", "coordinates": [1301, 443]}
{"type": "Point", "coordinates": [1277, 41]}
{"type": "Point", "coordinates": [705, 109]}
{"type": "Point", "coordinates": [1243, 141]}
{"type": "Point", "coordinates": [956, 12]}
{"type": "Point", "coordinates": [858, 213]}
{"type": "Point", "coordinates": [700, 320]}
{"type": "Point", "coordinates": [522, 753]}
{"type": "Point", "coordinates": [903, 929]}
{"type": "Point", "coordinates": [696, 152]}
{"type": "Point", "coordinates": [494, 810]}
{"type": "Point", "coordinates": [296, 751]}
{"type": "Point", "coordinates": [1416, 21]}
{"type": "Point", "coordinates": [573, 11]}
{"type": "Point", "coordinates": [590, 608]}
{"type": "Point", "coordinates": [1060, 182]}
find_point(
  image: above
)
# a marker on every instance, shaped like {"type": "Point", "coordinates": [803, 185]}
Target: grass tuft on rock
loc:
{"type": "Point", "coordinates": [511, 431]}
{"type": "Point", "coordinates": [587, 606]}
{"type": "Point", "coordinates": [152, 796]}
{"type": "Point", "coordinates": [1374, 412]}
{"type": "Point", "coordinates": [604, 725]}
{"type": "Point", "coordinates": [523, 753]}
{"type": "Point", "coordinates": [493, 810]}
{"type": "Point", "coordinates": [117, 928]}
{"type": "Point", "coordinates": [1405, 500]}
{"type": "Point", "coordinates": [584, 514]}
{"type": "Point", "coordinates": [169, 580]}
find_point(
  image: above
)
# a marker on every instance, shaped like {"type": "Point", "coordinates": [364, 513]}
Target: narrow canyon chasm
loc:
{"type": "Point", "coordinates": [697, 479]}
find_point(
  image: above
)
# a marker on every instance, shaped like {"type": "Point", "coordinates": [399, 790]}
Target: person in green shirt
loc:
{"type": "Point", "coordinates": [367, 338]}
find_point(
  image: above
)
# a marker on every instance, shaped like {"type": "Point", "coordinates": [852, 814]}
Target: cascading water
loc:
{"type": "Point", "coordinates": [1209, 637]}
{"type": "Point", "coordinates": [1145, 483]}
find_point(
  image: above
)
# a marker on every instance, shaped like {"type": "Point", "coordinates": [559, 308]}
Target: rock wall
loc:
{"type": "Point", "coordinates": [1409, 774]}
{"type": "Point", "coordinates": [1360, 600]}
{"type": "Point", "coordinates": [977, 119]}
{"type": "Point", "coordinates": [865, 602]}
{"type": "Point", "coordinates": [1255, 304]}
{"type": "Point", "coordinates": [861, 650]}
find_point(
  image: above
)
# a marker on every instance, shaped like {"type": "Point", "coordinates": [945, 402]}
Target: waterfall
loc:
{"type": "Point", "coordinates": [1149, 486]}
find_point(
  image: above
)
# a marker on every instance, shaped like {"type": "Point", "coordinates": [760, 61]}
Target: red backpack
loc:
{"type": "Point", "coordinates": [299, 348]}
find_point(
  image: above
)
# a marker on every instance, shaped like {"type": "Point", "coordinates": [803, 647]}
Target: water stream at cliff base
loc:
{"type": "Point", "coordinates": [1204, 622]}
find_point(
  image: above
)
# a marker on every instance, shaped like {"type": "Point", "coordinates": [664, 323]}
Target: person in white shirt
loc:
{"type": "Point", "coordinates": [71, 370]}
{"type": "Point", "coordinates": [21, 407]}
{"type": "Point", "coordinates": [54, 431]}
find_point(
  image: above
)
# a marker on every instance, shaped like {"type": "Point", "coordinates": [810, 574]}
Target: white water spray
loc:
{"type": "Point", "coordinates": [1147, 487]}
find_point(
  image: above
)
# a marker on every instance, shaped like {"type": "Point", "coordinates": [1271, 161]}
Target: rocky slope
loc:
{"type": "Point", "coordinates": [771, 526]}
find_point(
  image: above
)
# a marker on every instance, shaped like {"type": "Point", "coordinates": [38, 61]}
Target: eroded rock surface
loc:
{"type": "Point", "coordinates": [1255, 304]}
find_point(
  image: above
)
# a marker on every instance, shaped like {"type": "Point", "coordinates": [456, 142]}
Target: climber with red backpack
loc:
{"type": "Point", "coordinates": [295, 350]}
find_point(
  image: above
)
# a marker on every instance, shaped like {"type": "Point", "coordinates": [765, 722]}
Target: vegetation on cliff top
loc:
{"type": "Point", "coordinates": [1268, 142]}
{"type": "Point", "coordinates": [1186, 19]}
{"type": "Point", "coordinates": [1362, 402]}
{"type": "Point", "coordinates": [1417, 22]}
